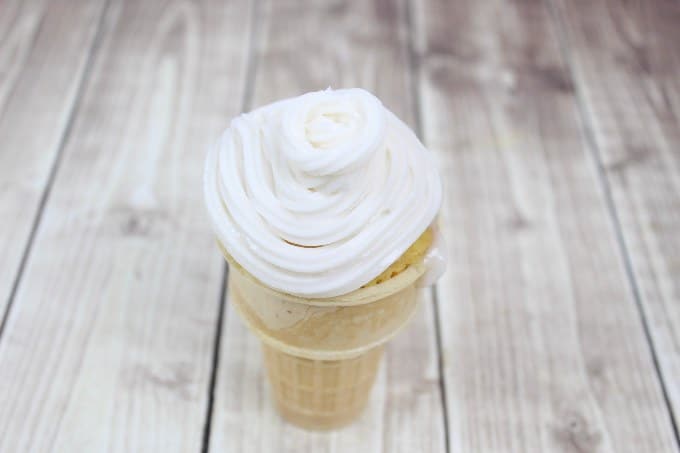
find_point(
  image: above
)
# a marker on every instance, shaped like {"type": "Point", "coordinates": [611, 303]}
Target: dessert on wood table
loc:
{"type": "Point", "coordinates": [325, 206]}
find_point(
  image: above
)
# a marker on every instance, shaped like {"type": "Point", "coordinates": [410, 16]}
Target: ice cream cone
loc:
{"type": "Point", "coordinates": [322, 355]}
{"type": "Point", "coordinates": [321, 394]}
{"type": "Point", "coordinates": [328, 204]}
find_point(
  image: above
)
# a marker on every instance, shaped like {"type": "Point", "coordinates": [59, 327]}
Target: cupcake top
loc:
{"type": "Point", "coordinates": [317, 195]}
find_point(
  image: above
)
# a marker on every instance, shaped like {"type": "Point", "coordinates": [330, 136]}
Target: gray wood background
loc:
{"type": "Point", "coordinates": [556, 125]}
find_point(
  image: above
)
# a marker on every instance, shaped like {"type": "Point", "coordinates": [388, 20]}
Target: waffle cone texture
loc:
{"type": "Point", "coordinates": [322, 355]}
{"type": "Point", "coordinates": [321, 394]}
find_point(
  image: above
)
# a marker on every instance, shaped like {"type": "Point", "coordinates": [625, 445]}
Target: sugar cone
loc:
{"type": "Point", "coordinates": [322, 355]}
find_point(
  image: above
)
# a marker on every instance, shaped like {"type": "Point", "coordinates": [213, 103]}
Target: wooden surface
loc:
{"type": "Point", "coordinates": [634, 133]}
{"type": "Point", "coordinates": [45, 51]}
{"type": "Point", "coordinates": [556, 125]}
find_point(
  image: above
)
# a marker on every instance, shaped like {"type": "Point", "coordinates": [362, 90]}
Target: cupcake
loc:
{"type": "Point", "coordinates": [325, 206]}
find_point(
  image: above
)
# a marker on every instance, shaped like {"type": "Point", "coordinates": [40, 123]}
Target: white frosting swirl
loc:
{"type": "Point", "coordinates": [317, 195]}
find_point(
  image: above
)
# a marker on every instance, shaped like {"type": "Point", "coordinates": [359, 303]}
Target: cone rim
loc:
{"type": "Point", "coordinates": [360, 296]}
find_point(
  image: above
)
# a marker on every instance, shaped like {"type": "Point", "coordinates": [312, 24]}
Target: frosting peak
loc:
{"type": "Point", "coordinates": [317, 195]}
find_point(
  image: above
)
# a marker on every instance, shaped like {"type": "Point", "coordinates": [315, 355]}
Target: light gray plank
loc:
{"type": "Point", "coordinates": [626, 65]}
{"type": "Point", "coordinates": [544, 348]}
{"type": "Point", "coordinates": [306, 47]}
{"type": "Point", "coordinates": [109, 342]}
{"type": "Point", "coordinates": [43, 52]}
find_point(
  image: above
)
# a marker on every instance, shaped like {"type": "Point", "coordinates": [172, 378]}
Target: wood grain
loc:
{"type": "Point", "coordinates": [43, 52]}
{"type": "Point", "coordinates": [108, 344]}
{"type": "Point", "coordinates": [305, 47]}
{"type": "Point", "coordinates": [625, 57]}
{"type": "Point", "coordinates": [544, 348]}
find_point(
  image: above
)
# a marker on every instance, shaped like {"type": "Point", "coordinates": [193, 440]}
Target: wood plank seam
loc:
{"type": "Point", "coordinates": [587, 131]}
{"type": "Point", "coordinates": [205, 443]}
{"type": "Point", "coordinates": [92, 51]}
{"type": "Point", "coordinates": [246, 101]}
{"type": "Point", "coordinates": [440, 365]}
{"type": "Point", "coordinates": [414, 68]}
{"type": "Point", "coordinates": [252, 65]}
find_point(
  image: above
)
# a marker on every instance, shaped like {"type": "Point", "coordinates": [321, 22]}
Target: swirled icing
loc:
{"type": "Point", "coordinates": [316, 195]}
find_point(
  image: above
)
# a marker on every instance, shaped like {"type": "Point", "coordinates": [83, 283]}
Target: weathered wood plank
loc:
{"type": "Point", "coordinates": [544, 349]}
{"type": "Point", "coordinates": [309, 47]}
{"type": "Point", "coordinates": [43, 52]}
{"type": "Point", "coordinates": [108, 344]}
{"type": "Point", "coordinates": [625, 57]}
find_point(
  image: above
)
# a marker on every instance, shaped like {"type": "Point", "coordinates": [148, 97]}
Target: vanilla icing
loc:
{"type": "Point", "coordinates": [317, 195]}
